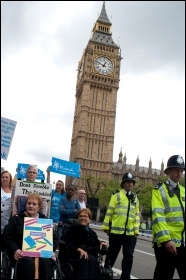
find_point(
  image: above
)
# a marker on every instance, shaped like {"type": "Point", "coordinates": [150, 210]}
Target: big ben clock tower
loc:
{"type": "Point", "coordinates": [92, 140]}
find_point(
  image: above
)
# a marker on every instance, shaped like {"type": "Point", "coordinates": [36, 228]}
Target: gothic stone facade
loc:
{"type": "Point", "coordinates": [143, 174]}
{"type": "Point", "coordinates": [93, 130]}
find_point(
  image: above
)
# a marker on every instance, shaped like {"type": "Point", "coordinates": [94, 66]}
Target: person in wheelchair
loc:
{"type": "Point", "coordinates": [13, 236]}
{"type": "Point", "coordinates": [83, 247]}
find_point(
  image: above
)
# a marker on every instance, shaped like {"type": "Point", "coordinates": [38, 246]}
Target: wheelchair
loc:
{"type": "Point", "coordinates": [105, 272]}
{"type": "Point", "coordinates": [6, 266]}
{"type": "Point", "coordinates": [8, 270]}
{"type": "Point", "coordinates": [69, 265]}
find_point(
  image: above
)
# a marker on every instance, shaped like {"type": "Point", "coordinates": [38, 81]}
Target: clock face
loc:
{"type": "Point", "coordinates": [103, 65]}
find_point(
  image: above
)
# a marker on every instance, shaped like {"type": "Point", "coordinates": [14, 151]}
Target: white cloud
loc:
{"type": "Point", "coordinates": [42, 43]}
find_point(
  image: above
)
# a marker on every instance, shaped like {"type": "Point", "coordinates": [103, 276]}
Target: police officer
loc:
{"type": "Point", "coordinates": [168, 222]}
{"type": "Point", "coordinates": [121, 223]}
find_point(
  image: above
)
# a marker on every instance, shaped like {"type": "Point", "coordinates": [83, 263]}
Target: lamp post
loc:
{"type": "Point", "coordinates": [53, 186]}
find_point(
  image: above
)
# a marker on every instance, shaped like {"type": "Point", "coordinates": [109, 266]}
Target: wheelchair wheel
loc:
{"type": "Point", "coordinates": [57, 272]}
{"type": "Point", "coordinates": [54, 273]}
{"type": "Point", "coordinates": [106, 272]}
{"type": "Point", "coordinates": [5, 266]}
{"type": "Point", "coordinates": [67, 270]}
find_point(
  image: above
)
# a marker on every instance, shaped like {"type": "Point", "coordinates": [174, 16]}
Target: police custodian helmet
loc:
{"type": "Point", "coordinates": [128, 177]}
{"type": "Point", "coordinates": [175, 161]}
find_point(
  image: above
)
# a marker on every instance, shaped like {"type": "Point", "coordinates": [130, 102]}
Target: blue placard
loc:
{"type": "Point", "coordinates": [64, 167]}
{"type": "Point", "coordinates": [7, 132]}
{"type": "Point", "coordinates": [21, 172]}
{"type": "Point", "coordinates": [40, 175]}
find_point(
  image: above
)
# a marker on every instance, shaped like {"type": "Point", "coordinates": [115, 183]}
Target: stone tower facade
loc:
{"type": "Point", "coordinates": [93, 131]}
{"type": "Point", "coordinates": [97, 85]}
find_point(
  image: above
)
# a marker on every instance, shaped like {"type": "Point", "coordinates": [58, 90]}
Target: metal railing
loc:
{"type": "Point", "coordinates": [145, 232]}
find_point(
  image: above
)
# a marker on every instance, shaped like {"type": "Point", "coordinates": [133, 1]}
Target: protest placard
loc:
{"type": "Point", "coordinates": [37, 237]}
{"type": "Point", "coordinates": [22, 169]}
{"type": "Point", "coordinates": [7, 133]}
{"type": "Point", "coordinates": [24, 188]}
{"type": "Point", "coordinates": [64, 167]}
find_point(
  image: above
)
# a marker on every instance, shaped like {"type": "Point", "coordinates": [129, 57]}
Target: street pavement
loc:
{"type": "Point", "coordinates": [142, 236]}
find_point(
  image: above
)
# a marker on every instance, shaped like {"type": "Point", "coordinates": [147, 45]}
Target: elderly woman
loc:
{"type": "Point", "coordinates": [13, 242]}
{"type": "Point", "coordinates": [84, 245]}
{"type": "Point", "coordinates": [18, 203]}
{"type": "Point", "coordinates": [6, 190]}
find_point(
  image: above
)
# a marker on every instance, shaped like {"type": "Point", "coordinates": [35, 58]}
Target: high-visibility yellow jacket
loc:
{"type": "Point", "coordinates": [122, 214]}
{"type": "Point", "coordinates": [143, 225]}
{"type": "Point", "coordinates": [168, 215]}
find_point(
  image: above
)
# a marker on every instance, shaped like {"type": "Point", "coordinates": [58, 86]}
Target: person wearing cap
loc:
{"type": "Point", "coordinates": [168, 222]}
{"type": "Point", "coordinates": [121, 223]}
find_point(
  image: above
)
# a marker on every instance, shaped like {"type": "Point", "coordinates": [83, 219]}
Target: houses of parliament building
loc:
{"type": "Point", "coordinates": [143, 174]}
{"type": "Point", "coordinates": [93, 130]}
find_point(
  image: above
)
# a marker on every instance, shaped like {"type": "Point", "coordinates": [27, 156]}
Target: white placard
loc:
{"type": "Point", "coordinates": [24, 188]}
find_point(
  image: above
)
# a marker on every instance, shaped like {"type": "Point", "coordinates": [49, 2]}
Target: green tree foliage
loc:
{"type": "Point", "coordinates": [182, 181]}
{"type": "Point", "coordinates": [164, 178]}
{"type": "Point", "coordinates": [104, 195]}
{"type": "Point", "coordinates": [103, 188]}
{"type": "Point", "coordinates": [144, 193]}
{"type": "Point", "coordinates": [93, 185]}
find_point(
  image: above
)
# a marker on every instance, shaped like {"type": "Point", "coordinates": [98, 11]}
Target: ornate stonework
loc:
{"type": "Point", "coordinates": [93, 130]}
{"type": "Point", "coordinates": [141, 173]}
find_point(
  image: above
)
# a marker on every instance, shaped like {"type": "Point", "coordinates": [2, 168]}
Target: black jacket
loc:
{"type": "Point", "coordinates": [13, 234]}
{"type": "Point", "coordinates": [79, 236]}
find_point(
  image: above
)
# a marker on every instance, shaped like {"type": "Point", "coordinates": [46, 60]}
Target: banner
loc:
{"type": "Point", "coordinates": [68, 168]}
{"type": "Point", "coordinates": [37, 238]}
{"type": "Point", "coordinates": [21, 172]}
{"type": "Point", "coordinates": [24, 188]}
{"type": "Point", "coordinates": [7, 133]}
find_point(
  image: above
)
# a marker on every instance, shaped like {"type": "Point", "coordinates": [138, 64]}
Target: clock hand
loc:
{"type": "Point", "coordinates": [101, 64]}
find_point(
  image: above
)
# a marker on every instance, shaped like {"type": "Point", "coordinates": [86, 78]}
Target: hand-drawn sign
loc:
{"type": "Point", "coordinates": [37, 238]}
{"type": "Point", "coordinates": [24, 188]}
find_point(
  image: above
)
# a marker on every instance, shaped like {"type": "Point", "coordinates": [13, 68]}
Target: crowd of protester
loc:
{"type": "Point", "coordinates": [71, 216]}
{"type": "Point", "coordinates": [65, 205]}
